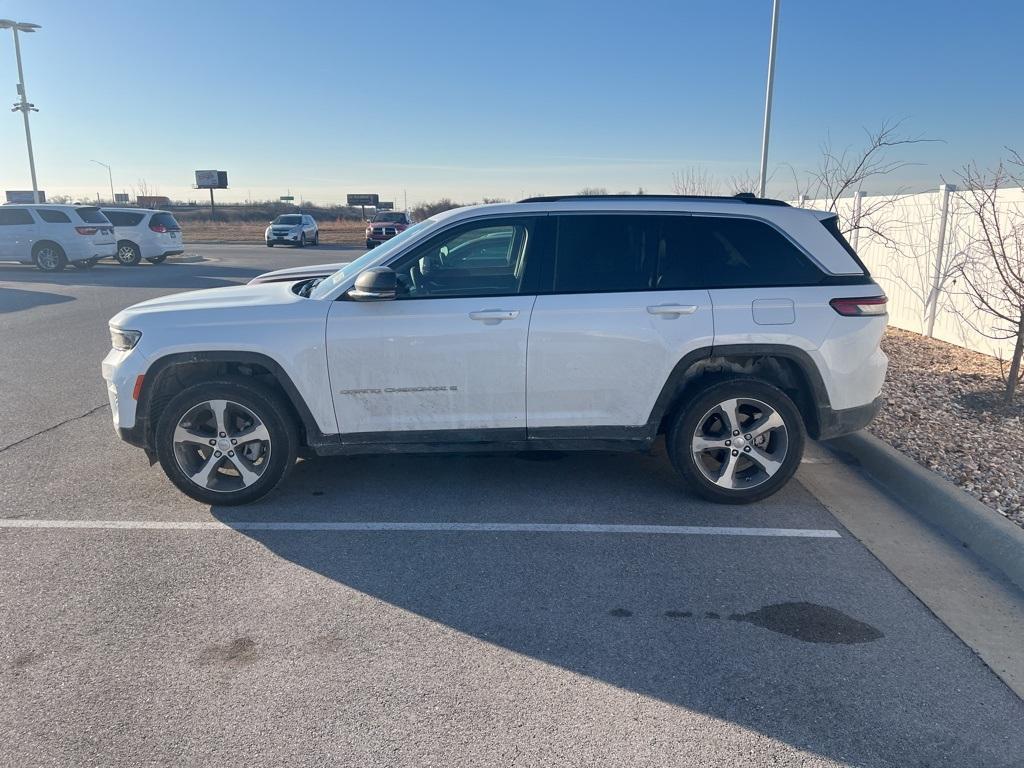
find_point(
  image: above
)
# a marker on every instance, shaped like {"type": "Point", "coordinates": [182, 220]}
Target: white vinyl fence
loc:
{"type": "Point", "coordinates": [912, 246]}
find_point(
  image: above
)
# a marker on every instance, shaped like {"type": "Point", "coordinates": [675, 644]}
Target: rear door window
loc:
{"type": "Point", "coordinates": [165, 220]}
{"type": "Point", "coordinates": [92, 216]}
{"type": "Point", "coordinates": [51, 216]}
{"type": "Point", "coordinates": [13, 216]}
{"type": "Point", "coordinates": [600, 253]}
{"type": "Point", "coordinates": [746, 253]}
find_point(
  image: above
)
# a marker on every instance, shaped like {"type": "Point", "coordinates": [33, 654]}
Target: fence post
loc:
{"type": "Point", "coordinates": [855, 218]}
{"type": "Point", "coordinates": [940, 249]}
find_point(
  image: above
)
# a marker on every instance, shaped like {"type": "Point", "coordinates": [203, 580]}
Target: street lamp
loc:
{"type": "Point", "coordinates": [23, 105]}
{"type": "Point", "coordinates": [109, 176]}
{"type": "Point", "coordinates": [768, 99]}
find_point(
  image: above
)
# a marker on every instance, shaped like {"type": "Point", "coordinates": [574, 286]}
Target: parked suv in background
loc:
{"type": "Point", "coordinates": [733, 326]}
{"type": "Point", "coordinates": [53, 236]}
{"type": "Point", "coordinates": [384, 225]}
{"type": "Point", "coordinates": [144, 234]}
{"type": "Point", "coordinates": [293, 229]}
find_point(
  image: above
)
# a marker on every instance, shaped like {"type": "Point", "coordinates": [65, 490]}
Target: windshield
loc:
{"type": "Point", "coordinates": [389, 216]}
{"type": "Point", "coordinates": [287, 220]}
{"type": "Point", "coordinates": [329, 283]}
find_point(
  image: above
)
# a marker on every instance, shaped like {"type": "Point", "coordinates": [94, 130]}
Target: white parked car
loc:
{"type": "Point", "coordinates": [53, 236]}
{"type": "Point", "coordinates": [145, 234]}
{"type": "Point", "coordinates": [732, 326]}
{"type": "Point", "coordinates": [293, 229]}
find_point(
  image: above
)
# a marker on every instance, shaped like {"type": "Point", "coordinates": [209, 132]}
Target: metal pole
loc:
{"type": "Point", "coordinates": [110, 176]}
{"type": "Point", "coordinates": [940, 248]}
{"type": "Point", "coordinates": [25, 107]}
{"type": "Point", "coordinates": [213, 208]}
{"type": "Point", "coordinates": [768, 98]}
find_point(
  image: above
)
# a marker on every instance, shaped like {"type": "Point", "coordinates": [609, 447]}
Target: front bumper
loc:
{"type": "Point", "coordinates": [120, 371]}
{"type": "Point", "coordinates": [833, 423]}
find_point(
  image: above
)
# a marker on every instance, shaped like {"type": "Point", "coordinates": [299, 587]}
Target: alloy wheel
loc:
{"type": "Point", "coordinates": [222, 446]}
{"type": "Point", "coordinates": [740, 443]}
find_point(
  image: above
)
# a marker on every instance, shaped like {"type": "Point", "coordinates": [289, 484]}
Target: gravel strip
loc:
{"type": "Point", "coordinates": [943, 409]}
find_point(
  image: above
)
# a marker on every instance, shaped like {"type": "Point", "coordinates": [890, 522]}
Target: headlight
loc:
{"type": "Point", "coordinates": [124, 340]}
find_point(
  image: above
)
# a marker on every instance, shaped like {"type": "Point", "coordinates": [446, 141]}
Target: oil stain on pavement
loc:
{"type": "Point", "coordinates": [811, 623]}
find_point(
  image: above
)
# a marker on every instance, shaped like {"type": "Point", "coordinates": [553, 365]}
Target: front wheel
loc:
{"type": "Point", "coordinates": [302, 240]}
{"type": "Point", "coordinates": [270, 244]}
{"type": "Point", "coordinates": [128, 254]}
{"type": "Point", "coordinates": [226, 442]}
{"type": "Point", "coordinates": [316, 238]}
{"type": "Point", "coordinates": [738, 441]}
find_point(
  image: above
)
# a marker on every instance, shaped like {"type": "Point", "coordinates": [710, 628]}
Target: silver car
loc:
{"type": "Point", "coordinates": [293, 229]}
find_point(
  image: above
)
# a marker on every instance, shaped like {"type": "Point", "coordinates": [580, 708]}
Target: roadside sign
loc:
{"type": "Point", "coordinates": [120, 197]}
{"type": "Point", "coordinates": [212, 179]}
{"type": "Point", "coordinates": [363, 199]}
{"type": "Point", "coordinates": [385, 206]}
{"type": "Point", "coordinates": [23, 196]}
{"type": "Point", "coordinates": [287, 198]}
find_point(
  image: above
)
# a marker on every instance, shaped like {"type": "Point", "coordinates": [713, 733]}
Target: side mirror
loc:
{"type": "Point", "coordinates": [375, 284]}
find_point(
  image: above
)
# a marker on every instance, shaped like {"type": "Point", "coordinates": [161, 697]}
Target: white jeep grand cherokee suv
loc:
{"type": "Point", "coordinates": [734, 326]}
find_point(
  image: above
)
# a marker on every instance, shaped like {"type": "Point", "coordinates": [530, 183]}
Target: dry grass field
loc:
{"type": "Point", "coordinates": [341, 233]}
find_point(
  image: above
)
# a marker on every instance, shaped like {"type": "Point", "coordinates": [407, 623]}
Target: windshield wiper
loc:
{"type": "Point", "coordinates": [307, 289]}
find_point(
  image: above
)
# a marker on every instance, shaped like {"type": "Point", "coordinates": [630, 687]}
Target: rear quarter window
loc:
{"type": "Point", "coordinates": [51, 216]}
{"type": "Point", "coordinates": [124, 218]}
{"type": "Point", "coordinates": [165, 220]}
{"type": "Point", "coordinates": [92, 216]}
{"type": "Point", "coordinates": [746, 253]}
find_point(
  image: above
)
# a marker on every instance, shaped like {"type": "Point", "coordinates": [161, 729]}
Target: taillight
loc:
{"type": "Point", "coordinates": [863, 307]}
{"type": "Point", "coordinates": [158, 228]}
{"type": "Point", "coordinates": [87, 230]}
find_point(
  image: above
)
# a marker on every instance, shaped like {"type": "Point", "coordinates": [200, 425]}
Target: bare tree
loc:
{"type": "Point", "coordinates": [694, 180]}
{"type": "Point", "coordinates": [593, 191]}
{"type": "Point", "coordinates": [993, 273]}
{"type": "Point", "coordinates": [844, 172]}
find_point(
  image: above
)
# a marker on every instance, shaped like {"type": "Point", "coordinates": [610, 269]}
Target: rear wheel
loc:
{"type": "Point", "coordinates": [226, 442]}
{"type": "Point", "coordinates": [157, 259]}
{"type": "Point", "coordinates": [87, 264]}
{"type": "Point", "coordinates": [128, 254]}
{"type": "Point", "coordinates": [49, 257]}
{"type": "Point", "coordinates": [737, 441]}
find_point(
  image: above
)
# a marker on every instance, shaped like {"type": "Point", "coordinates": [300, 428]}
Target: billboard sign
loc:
{"type": "Point", "coordinates": [363, 199]}
{"type": "Point", "coordinates": [120, 197]}
{"type": "Point", "coordinates": [385, 206]}
{"type": "Point", "coordinates": [212, 179]}
{"type": "Point", "coordinates": [24, 196]}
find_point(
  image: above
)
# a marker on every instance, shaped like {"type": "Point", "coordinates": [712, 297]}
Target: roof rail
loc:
{"type": "Point", "coordinates": [742, 197]}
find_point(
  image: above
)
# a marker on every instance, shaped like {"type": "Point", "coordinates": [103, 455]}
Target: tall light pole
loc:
{"type": "Point", "coordinates": [768, 99]}
{"type": "Point", "coordinates": [109, 176]}
{"type": "Point", "coordinates": [23, 105]}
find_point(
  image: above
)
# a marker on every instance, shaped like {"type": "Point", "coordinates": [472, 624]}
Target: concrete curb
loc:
{"type": "Point", "coordinates": [934, 499]}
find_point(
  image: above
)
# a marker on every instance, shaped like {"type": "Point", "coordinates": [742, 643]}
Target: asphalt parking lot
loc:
{"type": "Point", "coordinates": [432, 610]}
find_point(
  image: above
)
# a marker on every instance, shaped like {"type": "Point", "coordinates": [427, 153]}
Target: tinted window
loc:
{"type": "Point", "coordinates": [478, 260]}
{"type": "Point", "coordinates": [53, 217]}
{"type": "Point", "coordinates": [599, 253]}
{"type": "Point", "coordinates": [10, 216]}
{"type": "Point", "coordinates": [123, 218]}
{"type": "Point", "coordinates": [736, 253]}
{"type": "Point", "coordinates": [164, 220]}
{"type": "Point", "coordinates": [288, 219]}
{"type": "Point", "coordinates": [91, 215]}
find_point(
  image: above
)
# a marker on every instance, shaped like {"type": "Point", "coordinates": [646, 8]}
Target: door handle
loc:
{"type": "Point", "coordinates": [672, 310]}
{"type": "Point", "coordinates": [494, 315]}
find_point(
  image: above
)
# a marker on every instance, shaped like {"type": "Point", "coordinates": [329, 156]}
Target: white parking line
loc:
{"type": "Point", "coordinates": [185, 525]}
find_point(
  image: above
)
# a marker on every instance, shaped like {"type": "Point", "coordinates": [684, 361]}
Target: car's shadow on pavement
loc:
{"type": "Point", "coordinates": [785, 637]}
{"type": "Point", "coordinates": [16, 300]}
{"type": "Point", "coordinates": [171, 276]}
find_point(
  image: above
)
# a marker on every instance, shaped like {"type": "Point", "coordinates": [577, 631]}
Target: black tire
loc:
{"type": "Point", "coordinates": [369, 245]}
{"type": "Point", "coordinates": [266, 404]}
{"type": "Point", "coordinates": [157, 259]}
{"type": "Point", "coordinates": [302, 240]}
{"type": "Point", "coordinates": [49, 257]}
{"type": "Point", "coordinates": [684, 425]}
{"type": "Point", "coordinates": [128, 254]}
{"type": "Point", "coordinates": [316, 238]}
{"type": "Point", "coordinates": [87, 264]}
{"type": "Point", "coordinates": [270, 245]}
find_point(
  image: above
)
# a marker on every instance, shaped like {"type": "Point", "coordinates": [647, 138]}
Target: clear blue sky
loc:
{"type": "Point", "coordinates": [473, 99]}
